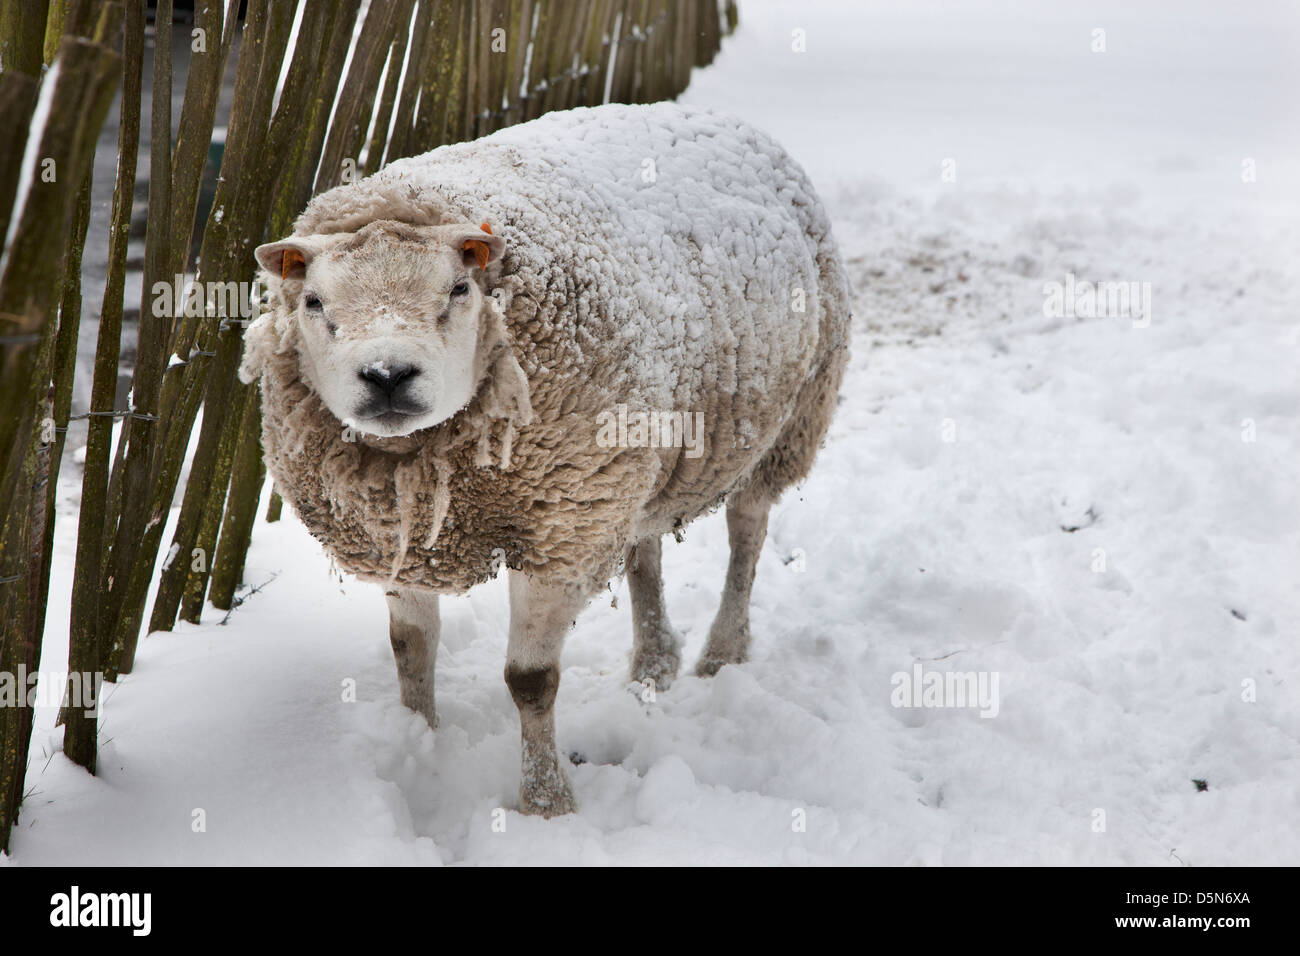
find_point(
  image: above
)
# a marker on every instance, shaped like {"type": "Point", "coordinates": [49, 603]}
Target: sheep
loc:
{"type": "Point", "coordinates": [543, 350]}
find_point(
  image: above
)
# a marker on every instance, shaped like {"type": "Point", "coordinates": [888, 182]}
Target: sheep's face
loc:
{"type": "Point", "coordinates": [389, 319]}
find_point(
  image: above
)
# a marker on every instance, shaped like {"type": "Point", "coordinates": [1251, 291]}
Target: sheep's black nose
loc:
{"type": "Point", "coordinates": [387, 376]}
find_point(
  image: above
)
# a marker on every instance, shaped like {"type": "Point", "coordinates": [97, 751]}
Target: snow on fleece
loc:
{"type": "Point", "coordinates": [658, 257]}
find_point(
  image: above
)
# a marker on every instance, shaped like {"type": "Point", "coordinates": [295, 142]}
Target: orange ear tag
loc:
{"type": "Point", "coordinates": [480, 249]}
{"type": "Point", "coordinates": [290, 259]}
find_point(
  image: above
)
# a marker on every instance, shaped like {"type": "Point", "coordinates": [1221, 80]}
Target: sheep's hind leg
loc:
{"type": "Point", "coordinates": [656, 648]}
{"type": "Point", "coordinates": [728, 641]}
{"type": "Point", "coordinates": [540, 616]}
{"type": "Point", "coordinates": [413, 629]}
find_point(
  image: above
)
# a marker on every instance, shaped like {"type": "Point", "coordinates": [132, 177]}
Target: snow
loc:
{"type": "Point", "coordinates": [357, 27]}
{"type": "Point", "coordinates": [287, 61]}
{"type": "Point", "coordinates": [1100, 512]}
{"type": "Point", "coordinates": [28, 171]}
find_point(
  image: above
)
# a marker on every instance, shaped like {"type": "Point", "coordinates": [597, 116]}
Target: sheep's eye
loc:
{"type": "Point", "coordinates": [312, 301]}
{"type": "Point", "coordinates": [460, 288]}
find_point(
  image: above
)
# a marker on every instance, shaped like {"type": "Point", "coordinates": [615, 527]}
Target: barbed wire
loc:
{"type": "Point", "coordinates": [141, 416]}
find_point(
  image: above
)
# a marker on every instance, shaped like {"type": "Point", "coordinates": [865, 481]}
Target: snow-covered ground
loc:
{"type": "Point", "coordinates": [1101, 513]}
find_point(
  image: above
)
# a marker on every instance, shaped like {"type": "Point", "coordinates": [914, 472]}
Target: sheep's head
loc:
{"type": "Point", "coordinates": [391, 319]}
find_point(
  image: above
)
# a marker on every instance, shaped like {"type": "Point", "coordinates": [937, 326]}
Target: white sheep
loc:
{"type": "Point", "coordinates": [544, 350]}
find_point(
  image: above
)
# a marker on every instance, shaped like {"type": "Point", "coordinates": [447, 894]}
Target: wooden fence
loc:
{"type": "Point", "coordinates": [321, 94]}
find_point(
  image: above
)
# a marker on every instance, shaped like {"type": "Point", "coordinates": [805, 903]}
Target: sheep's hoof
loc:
{"type": "Point", "coordinates": [547, 801]}
{"type": "Point", "coordinates": [708, 665]}
{"type": "Point", "coordinates": [724, 646]}
{"type": "Point", "coordinates": [425, 709]}
{"type": "Point", "coordinates": [658, 667]}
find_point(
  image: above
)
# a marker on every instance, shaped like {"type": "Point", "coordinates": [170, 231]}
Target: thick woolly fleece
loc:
{"type": "Point", "coordinates": [663, 258]}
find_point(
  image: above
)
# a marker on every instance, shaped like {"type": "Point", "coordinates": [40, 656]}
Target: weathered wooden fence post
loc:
{"type": "Point", "coordinates": [47, 219]}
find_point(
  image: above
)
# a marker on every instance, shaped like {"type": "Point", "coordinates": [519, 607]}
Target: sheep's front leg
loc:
{"type": "Point", "coordinates": [656, 648]}
{"type": "Point", "coordinates": [728, 641]}
{"type": "Point", "coordinates": [413, 628]}
{"type": "Point", "coordinates": [540, 616]}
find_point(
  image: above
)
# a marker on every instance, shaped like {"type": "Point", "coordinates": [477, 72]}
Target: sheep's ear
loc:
{"type": "Point", "coordinates": [478, 247]}
{"type": "Point", "coordinates": [289, 258]}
